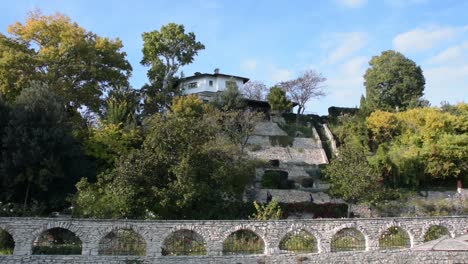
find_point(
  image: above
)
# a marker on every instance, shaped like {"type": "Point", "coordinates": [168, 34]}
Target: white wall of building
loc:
{"type": "Point", "coordinates": [203, 84]}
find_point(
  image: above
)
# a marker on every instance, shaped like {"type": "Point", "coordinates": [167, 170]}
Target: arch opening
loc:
{"type": "Point", "coordinates": [184, 243]}
{"type": "Point", "coordinates": [394, 238]}
{"type": "Point", "coordinates": [435, 232]}
{"type": "Point", "coordinates": [298, 242]}
{"type": "Point", "coordinates": [57, 241]}
{"type": "Point", "coordinates": [243, 242]}
{"type": "Point", "coordinates": [7, 244]}
{"type": "Point", "coordinates": [122, 242]}
{"type": "Point", "coordinates": [348, 239]}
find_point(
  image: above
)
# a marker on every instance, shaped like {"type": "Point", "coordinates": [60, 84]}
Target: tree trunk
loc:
{"type": "Point", "coordinates": [298, 114]}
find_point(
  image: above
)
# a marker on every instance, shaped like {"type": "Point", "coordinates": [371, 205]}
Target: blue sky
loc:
{"type": "Point", "coordinates": [274, 41]}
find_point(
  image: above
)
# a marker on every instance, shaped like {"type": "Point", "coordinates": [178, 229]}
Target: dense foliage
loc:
{"type": "Point", "coordinates": [393, 82]}
{"type": "Point", "coordinates": [186, 163]}
{"type": "Point", "coordinates": [74, 136]}
{"type": "Point", "coordinates": [76, 64]}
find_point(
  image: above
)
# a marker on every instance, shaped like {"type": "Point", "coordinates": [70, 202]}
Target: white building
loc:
{"type": "Point", "coordinates": [206, 85]}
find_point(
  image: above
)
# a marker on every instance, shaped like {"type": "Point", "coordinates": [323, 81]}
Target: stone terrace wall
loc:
{"type": "Point", "coordinates": [25, 230]}
{"type": "Point", "coordinates": [398, 257]}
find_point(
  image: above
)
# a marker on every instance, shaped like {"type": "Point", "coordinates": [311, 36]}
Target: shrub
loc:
{"type": "Point", "coordinates": [276, 180]}
{"type": "Point", "coordinates": [255, 147]}
{"type": "Point", "coordinates": [325, 210]}
{"type": "Point", "coordinates": [435, 232]}
{"type": "Point", "coordinates": [281, 141]}
{"type": "Point", "coordinates": [305, 182]}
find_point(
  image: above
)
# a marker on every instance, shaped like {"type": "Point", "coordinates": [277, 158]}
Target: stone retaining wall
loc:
{"type": "Point", "coordinates": [25, 230]}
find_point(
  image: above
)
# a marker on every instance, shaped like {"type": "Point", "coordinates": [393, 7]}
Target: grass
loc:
{"type": "Point", "coordinates": [243, 242]}
{"type": "Point", "coordinates": [394, 238]}
{"type": "Point", "coordinates": [281, 141]}
{"type": "Point", "coordinates": [7, 251]}
{"type": "Point", "coordinates": [348, 239]}
{"type": "Point", "coordinates": [301, 242]}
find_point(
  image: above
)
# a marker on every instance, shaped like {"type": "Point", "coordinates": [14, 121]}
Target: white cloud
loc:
{"type": "Point", "coordinates": [422, 39]}
{"type": "Point", "coordinates": [447, 83]}
{"type": "Point", "coordinates": [249, 65]}
{"type": "Point", "coordinates": [352, 3]}
{"type": "Point", "coordinates": [457, 53]}
{"type": "Point", "coordinates": [355, 67]}
{"type": "Point", "coordinates": [345, 44]}
{"type": "Point", "coordinates": [279, 75]}
{"type": "Point", "coordinates": [345, 82]}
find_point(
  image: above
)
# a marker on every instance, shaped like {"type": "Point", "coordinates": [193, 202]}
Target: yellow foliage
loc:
{"type": "Point", "coordinates": [383, 125]}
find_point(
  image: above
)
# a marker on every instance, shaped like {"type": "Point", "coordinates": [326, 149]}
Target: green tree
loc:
{"type": "Point", "coordinates": [39, 152]}
{"type": "Point", "coordinates": [231, 98]}
{"type": "Point", "coordinates": [269, 211]}
{"type": "Point", "coordinates": [278, 100]}
{"type": "Point", "coordinates": [107, 143]}
{"type": "Point", "coordinates": [155, 99]}
{"type": "Point", "coordinates": [121, 107]}
{"type": "Point", "coordinates": [393, 82]}
{"type": "Point", "coordinates": [351, 177]}
{"type": "Point", "coordinates": [76, 64]}
{"type": "Point", "coordinates": [186, 162]}
{"type": "Point", "coordinates": [166, 51]}
{"type": "Point", "coordinates": [420, 145]}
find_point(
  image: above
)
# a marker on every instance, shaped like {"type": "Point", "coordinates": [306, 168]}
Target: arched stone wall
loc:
{"type": "Point", "coordinates": [214, 233]}
{"type": "Point", "coordinates": [199, 231]}
{"type": "Point", "coordinates": [298, 227]}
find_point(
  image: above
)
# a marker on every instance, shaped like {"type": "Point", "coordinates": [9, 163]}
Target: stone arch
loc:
{"type": "Point", "coordinates": [298, 241]}
{"type": "Point", "coordinates": [299, 227]}
{"type": "Point", "coordinates": [250, 230]}
{"type": "Point", "coordinates": [400, 225]}
{"type": "Point", "coordinates": [201, 231]}
{"type": "Point", "coordinates": [394, 237]}
{"type": "Point", "coordinates": [183, 242]}
{"type": "Point", "coordinates": [64, 225]}
{"type": "Point", "coordinates": [123, 239]}
{"type": "Point", "coordinates": [450, 228]}
{"type": "Point", "coordinates": [440, 230]}
{"type": "Point", "coordinates": [360, 238]}
{"type": "Point", "coordinates": [7, 242]}
{"type": "Point", "coordinates": [57, 241]}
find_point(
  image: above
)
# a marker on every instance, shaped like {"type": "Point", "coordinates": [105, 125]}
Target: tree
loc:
{"type": "Point", "coordinates": [186, 163]}
{"type": "Point", "coordinates": [109, 142]}
{"type": "Point", "coordinates": [239, 125]}
{"type": "Point", "coordinates": [304, 88]}
{"type": "Point", "coordinates": [420, 145]}
{"type": "Point", "coordinates": [278, 100]}
{"type": "Point", "coordinates": [166, 51]}
{"type": "Point", "coordinates": [156, 98]}
{"type": "Point", "coordinates": [351, 177]}
{"type": "Point", "coordinates": [76, 64]}
{"type": "Point", "coordinates": [231, 98]}
{"type": "Point", "coordinates": [121, 107]}
{"type": "Point", "coordinates": [39, 151]}
{"type": "Point", "coordinates": [393, 82]}
{"type": "Point", "coordinates": [255, 90]}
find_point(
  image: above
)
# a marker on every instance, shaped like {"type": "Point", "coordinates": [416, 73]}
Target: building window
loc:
{"type": "Point", "coordinates": [210, 83]}
{"type": "Point", "coordinates": [193, 85]}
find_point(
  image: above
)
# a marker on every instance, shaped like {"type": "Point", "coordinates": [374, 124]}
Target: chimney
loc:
{"type": "Point", "coordinates": [216, 71]}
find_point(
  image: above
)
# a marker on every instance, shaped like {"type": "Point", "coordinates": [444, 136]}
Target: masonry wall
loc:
{"type": "Point", "coordinates": [25, 230]}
